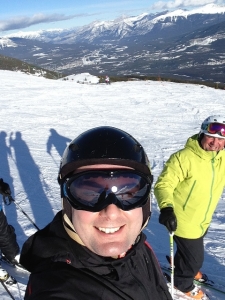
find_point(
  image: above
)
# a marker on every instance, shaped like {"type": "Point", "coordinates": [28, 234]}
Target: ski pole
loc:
{"type": "Point", "coordinates": [54, 160]}
{"type": "Point", "coordinates": [172, 263]}
{"type": "Point", "coordinates": [18, 206]}
{"type": "Point", "coordinates": [7, 290]}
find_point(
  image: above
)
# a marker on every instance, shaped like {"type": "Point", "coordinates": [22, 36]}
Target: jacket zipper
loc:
{"type": "Point", "coordinates": [147, 265]}
{"type": "Point", "coordinates": [210, 199]}
{"type": "Point", "coordinates": [139, 282]}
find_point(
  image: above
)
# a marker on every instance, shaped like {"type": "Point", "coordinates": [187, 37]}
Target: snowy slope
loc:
{"type": "Point", "coordinates": [39, 117]}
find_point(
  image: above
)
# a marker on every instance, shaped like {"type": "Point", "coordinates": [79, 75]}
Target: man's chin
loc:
{"type": "Point", "coordinates": [110, 250]}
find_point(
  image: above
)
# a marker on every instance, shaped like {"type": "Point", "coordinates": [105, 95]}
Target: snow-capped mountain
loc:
{"type": "Point", "coordinates": [6, 42]}
{"type": "Point", "coordinates": [183, 43]}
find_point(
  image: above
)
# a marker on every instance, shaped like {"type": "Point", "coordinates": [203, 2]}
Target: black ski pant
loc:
{"type": "Point", "coordinates": [188, 260]}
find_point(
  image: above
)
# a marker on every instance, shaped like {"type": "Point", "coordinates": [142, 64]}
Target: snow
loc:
{"type": "Point", "coordinates": [206, 9]}
{"type": "Point", "coordinates": [5, 42]}
{"type": "Point", "coordinates": [40, 116]}
{"type": "Point", "coordinates": [83, 78]}
{"type": "Point", "coordinates": [34, 34]}
{"type": "Point", "coordinates": [126, 24]}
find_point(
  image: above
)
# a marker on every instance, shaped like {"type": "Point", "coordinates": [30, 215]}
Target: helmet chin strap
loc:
{"type": "Point", "coordinates": [145, 224]}
{"type": "Point", "coordinates": [71, 230]}
{"type": "Point", "coordinates": [68, 225]}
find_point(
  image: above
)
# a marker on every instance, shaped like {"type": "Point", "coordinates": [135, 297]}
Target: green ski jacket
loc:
{"type": "Point", "coordinates": [192, 182]}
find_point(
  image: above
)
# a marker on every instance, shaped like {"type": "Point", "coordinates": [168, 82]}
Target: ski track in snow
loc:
{"type": "Point", "coordinates": [39, 115]}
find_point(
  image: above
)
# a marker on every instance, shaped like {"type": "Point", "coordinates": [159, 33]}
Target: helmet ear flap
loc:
{"type": "Point", "coordinates": [67, 208]}
{"type": "Point", "coordinates": [146, 209]}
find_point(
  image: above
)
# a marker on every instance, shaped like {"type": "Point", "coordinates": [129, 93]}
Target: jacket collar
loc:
{"type": "Point", "coordinates": [79, 256]}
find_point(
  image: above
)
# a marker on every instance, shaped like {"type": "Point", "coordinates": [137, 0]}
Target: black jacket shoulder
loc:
{"type": "Point", "coordinates": [63, 269]}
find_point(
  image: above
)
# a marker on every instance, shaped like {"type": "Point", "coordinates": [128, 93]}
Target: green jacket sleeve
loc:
{"type": "Point", "coordinates": [168, 180]}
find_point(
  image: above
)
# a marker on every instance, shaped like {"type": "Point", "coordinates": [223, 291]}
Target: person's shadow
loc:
{"type": "Point", "coordinates": [10, 210]}
{"type": "Point", "coordinates": [58, 141]}
{"type": "Point", "coordinates": [32, 181]}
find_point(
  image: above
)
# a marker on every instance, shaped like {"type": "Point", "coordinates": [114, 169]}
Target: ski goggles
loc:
{"type": "Point", "coordinates": [94, 190]}
{"type": "Point", "coordinates": [218, 128]}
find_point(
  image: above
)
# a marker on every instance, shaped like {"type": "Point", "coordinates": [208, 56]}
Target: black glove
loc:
{"type": "Point", "coordinates": [4, 188]}
{"type": "Point", "coordinates": [168, 218]}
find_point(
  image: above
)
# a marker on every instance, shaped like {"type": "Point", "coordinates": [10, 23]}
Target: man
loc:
{"type": "Point", "coordinates": [94, 248]}
{"type": "Point", "coordinates": [8, 244]}
{"type": "Point", "coordinates": [107, 80]}
{"type": "Point", "coordinates": [188, 191]}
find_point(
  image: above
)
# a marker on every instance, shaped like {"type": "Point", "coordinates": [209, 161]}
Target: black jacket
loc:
{"type": "Point", "coordinates": [62, 269]}
{"type": "Point", "coordinates": [8, 243]}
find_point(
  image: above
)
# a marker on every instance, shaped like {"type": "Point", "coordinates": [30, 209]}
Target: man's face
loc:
{"type": "Point", "coordinates": [109, 232]}
{"type": "Point", "coordinates": [210, 143]}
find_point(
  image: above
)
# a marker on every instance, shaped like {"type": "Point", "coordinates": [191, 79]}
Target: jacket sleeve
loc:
{"type": "Point", "coordinates": [8, 243]}
{"type": "Point", "coordinates": [168, 180]}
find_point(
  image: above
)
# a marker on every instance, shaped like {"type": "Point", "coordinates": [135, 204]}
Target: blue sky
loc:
{"type": "Point", "coordinates": [29, 15]}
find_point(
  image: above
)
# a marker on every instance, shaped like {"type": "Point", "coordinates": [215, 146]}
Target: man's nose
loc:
{"type": "Point", "coordinates": [214, 140]}
{"type": "Point", "coordinates": [112, 211]}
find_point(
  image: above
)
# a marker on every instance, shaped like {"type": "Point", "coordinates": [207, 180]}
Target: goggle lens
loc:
{"type": "Point", "coordinates": [214, 128]}
{"type": "Point", "coordinates": [94, 190]}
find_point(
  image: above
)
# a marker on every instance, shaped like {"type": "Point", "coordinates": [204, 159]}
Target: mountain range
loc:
{"type": "Point", "coordinates": [181, 43]}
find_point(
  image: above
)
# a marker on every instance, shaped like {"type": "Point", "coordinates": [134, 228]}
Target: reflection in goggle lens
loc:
{"type": "Point", "coordinates": [94, 190]}
{"type": "Point", "coordinates": [214, 128]}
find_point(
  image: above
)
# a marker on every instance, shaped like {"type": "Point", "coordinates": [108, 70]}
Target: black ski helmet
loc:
{"type": "Point", "coordinates": [105, 145]}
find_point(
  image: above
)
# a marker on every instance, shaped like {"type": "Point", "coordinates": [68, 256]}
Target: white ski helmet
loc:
{"type": "Point", "coordinates": [212, 119]}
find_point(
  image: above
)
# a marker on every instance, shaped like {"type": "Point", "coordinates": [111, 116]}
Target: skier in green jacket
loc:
{"type": "Point", "coordinates": [187, 192]}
